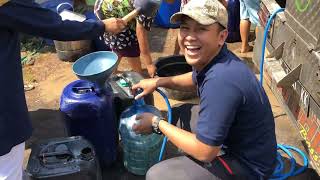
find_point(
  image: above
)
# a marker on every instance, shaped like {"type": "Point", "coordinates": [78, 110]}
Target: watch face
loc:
{"type": "Point", "coordinates": [155, 125]}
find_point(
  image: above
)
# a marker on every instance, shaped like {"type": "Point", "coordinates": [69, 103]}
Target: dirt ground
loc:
{"type": "Point", "coordinates": [50, 75]}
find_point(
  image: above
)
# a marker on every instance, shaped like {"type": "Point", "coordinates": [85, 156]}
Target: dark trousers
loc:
{"type": "Point", "coordinates": [224, 167]}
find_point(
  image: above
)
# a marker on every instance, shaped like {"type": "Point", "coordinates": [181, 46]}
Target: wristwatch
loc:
{"type": "Point", "coordinates": [155, 124]}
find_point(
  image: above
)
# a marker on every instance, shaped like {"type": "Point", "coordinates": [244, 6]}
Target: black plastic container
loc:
{"type": "Point", "coordinates": [70, 158]}
{"type": "Point", "coordinates": [172, 66]}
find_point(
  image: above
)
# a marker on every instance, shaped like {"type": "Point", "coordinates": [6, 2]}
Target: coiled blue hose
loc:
{"type": "Point", "coordinates": [163, 147]}
{"type": "Point", "coordinates": [278, 172]}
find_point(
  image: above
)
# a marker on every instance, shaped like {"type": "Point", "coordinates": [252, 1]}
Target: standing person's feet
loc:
{"type": "Point", "coordinates": [117, 72]}
{"type": "Point", "coordinates": [246, 49]}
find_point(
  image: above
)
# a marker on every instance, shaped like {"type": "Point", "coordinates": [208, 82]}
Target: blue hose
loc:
{"type": "Point", "coordinates": [163, 147]}
{"type": "Point", "coordinates": [265, 41]}
{"type": "Point", "coordinates": [278, 172]}
{"type": "Point", "coordinates": [305, 160]}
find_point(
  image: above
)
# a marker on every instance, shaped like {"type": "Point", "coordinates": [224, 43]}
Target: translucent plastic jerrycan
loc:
{"type": "Point", "coordinates": [140, 151]}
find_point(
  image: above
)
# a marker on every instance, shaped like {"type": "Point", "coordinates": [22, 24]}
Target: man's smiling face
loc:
{"type": "Point", "coordinates": [200, 43]}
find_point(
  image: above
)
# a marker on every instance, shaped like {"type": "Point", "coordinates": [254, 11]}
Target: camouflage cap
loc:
{"type": "Point", "coordinates": [2, 2]}
{"type": "Point", "coordinates": [205, 12]}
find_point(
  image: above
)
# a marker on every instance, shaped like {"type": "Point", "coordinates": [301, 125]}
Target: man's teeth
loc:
{"type": "Point", "coordinates": [193, 47]}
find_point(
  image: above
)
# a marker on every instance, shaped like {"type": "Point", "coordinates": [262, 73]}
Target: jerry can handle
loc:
{"type": "Point", "coordinates": [83, 90]}
{"type": "Point", "coordinates": [62, 156]}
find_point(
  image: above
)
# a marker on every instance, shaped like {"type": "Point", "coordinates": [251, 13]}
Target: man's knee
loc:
{"type": "Point", "coordinates": [169, 169]}
{"type": "Point", "coordinates": [178, 168]}
{"type": "Point", "coordinates": [154, 173]}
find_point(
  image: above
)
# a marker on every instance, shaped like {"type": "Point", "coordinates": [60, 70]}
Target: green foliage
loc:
{"type": "Point", "coordinates": [30, 46]}
{"type": "Point", "coordinates": [117, 9]}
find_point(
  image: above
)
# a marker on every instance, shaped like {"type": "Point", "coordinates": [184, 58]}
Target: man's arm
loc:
{"type": "Point", "coordinates": [219, 103]}
{"type": "Point", "coordinates": [28, 17]}
{"type": "Point", "coordinates": [188, 142]}
{"type": "Point", "coordinates": [180, 82]}
{"type": "Point", "coordinates": [183, 139]}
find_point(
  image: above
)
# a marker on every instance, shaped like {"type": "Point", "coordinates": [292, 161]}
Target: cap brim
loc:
{"type": "Point", "coordinates": [176, 18]}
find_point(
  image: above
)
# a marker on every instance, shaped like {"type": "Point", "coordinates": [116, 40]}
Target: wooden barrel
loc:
{"type": "Point", "coordinates": [72, 50]}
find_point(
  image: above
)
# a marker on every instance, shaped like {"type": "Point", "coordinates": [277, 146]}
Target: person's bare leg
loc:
{"type": "Point", "coordinates": [256, 31]}
{"type": "Point", "coordinates": [244, 33]}
{"type": "Point", "coordinates": [177, 50]}
{"type": "Point", "coordinates": [117, 71]}
{"type": "Point", "coordinates": [135, 64]}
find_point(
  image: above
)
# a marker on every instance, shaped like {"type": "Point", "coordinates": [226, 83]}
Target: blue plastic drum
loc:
{"type": "Point", "coordinates": [91, 114]}
{"type": "Point", "coordinates": [56, 6]}
{"type": "Point", "coordinates": [165, 11]}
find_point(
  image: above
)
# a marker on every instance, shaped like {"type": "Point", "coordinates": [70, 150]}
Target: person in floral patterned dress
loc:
{"type": "Point", "coordinates": [132, 42]}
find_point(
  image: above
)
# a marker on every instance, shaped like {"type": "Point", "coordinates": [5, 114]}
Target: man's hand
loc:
{"type": "Point", "coordinates": [151, 70]}
{"type": "Point", "coordinates": [148, 86]}
{"type": "Point", "coordinates": [114, 25]}
{"type": "Point", "coordinates": [144, 124]}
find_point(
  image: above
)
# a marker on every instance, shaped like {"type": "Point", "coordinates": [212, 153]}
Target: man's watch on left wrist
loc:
{"type": "Point", "coordinates": [155, 124]}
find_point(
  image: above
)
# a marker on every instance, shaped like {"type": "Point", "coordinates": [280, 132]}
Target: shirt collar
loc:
{"type": "Point", "coordinates": [216, 59]}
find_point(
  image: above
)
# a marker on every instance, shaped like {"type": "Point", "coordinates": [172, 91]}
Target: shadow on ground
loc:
{"type": "Point", "coordinates": [47, 123]}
